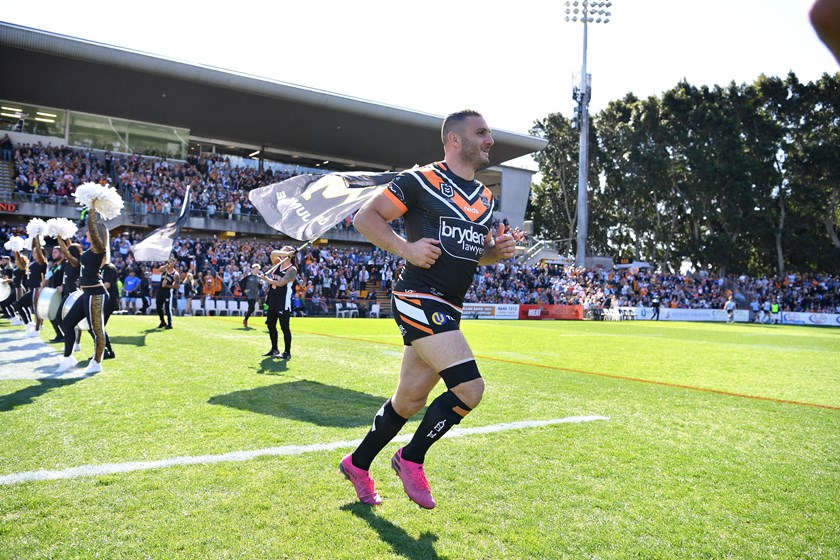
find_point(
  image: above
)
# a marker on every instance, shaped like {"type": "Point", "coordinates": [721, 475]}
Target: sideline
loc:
{"type": "Point", "coordinates": [238, 456]}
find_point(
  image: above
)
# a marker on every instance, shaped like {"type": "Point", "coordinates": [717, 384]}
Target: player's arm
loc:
{"type": "Point", "coordinates": [372, 221]}
{"type": "Point", "coordinates": [95, 240]}
{"type": "Point", "coordinates": [62, 246]}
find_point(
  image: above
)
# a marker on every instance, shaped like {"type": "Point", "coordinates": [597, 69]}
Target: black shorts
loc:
{"type": "Point", "coordinates": [419, 315]}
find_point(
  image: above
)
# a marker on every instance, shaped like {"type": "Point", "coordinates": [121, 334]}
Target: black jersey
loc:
{"type": "Point", "coordinates": [17, 277]}
{"type": "Point", "coordinates": [109, 276]}
{"type": "Point", "coordinates": [280, 297]}
{"type": "Point", "coordinates": [34, 275]}
{"type": "Point", "coordinates": [71, 277]}
{"type": "Point", "coordinates": [57, 275]}
{"type": "Point", "coordinates": [168, 278]}
{"type": "Point", "coordinates": [91, 263]}
{"type": "Point", "coordinates": [438, 204]}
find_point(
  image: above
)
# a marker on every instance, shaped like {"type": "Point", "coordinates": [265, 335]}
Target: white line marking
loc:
{"type": "Point", "coordinates": [236, 456]}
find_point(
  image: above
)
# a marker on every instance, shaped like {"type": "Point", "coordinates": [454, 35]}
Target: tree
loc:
{"type": "Point", "coordinates": [553, 202]}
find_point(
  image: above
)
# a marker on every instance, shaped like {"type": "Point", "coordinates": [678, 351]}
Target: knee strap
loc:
{"type": "Point", "coordinates": [460, 373]}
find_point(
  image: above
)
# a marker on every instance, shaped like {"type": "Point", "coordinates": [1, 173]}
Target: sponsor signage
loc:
{"type": "Point", "coordinates": [813, 319]}
{"type": "Point", "coordinates": [462, 239]}
{"type": "Point", "coordinates": [490, 311]}
{"type": "Point", "coordinates": [711, 315]}
{"type": "Point", "coordinates": [556, 312]}
{"type": "Point", "coordinates": [10, 207]}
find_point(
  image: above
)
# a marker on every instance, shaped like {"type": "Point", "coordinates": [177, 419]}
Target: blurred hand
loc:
{"type": "Point", "coordinates": [423, 252]}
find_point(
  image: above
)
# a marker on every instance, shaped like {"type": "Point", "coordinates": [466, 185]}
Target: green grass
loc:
{"type": "Point", "coordinates": [723, 441]}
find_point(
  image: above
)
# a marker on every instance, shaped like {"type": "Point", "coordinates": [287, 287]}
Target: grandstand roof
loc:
{"type": "Point", "coordinates": [64, 72]}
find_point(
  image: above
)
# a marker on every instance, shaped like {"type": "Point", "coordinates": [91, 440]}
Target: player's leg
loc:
{"type": "Point", "coordinates": [450, 356]}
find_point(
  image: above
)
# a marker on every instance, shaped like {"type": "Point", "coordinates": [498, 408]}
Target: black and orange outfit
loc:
{"type": "Point", "coordinates": [438, 204]}
{"type": "Point", "coordinates": [91, 304]}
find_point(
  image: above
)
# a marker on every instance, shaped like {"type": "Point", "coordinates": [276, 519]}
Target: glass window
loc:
{"type": "Point", "coordinates": [32, 119]}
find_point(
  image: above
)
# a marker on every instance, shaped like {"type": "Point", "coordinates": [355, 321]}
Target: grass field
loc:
{"type": "Point", "coordinates": [717, 441]}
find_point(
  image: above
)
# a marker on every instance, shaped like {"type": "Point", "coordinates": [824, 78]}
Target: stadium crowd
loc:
{"type": "Point", "coordinates": [329, 273]}
{"type": "Point", "coordinates": [154, 185]}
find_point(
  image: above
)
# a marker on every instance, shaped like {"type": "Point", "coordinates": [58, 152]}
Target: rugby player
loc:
{"type": "Point", "coordinates": [448, 219]}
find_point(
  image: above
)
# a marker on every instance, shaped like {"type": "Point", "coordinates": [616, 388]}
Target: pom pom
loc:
{"type": "Point", "coordinates": [36, 226]}
{"type": "Point", "coordinates": [15, 244]}
{"type": "Point", "coordinates": [105, 200]}
{"type": "Point", "coordinates": [27, 243]}
{"type": "Point", "coordinates": [61, 227]}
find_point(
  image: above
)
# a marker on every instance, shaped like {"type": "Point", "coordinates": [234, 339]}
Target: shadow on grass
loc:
{"type": "Point", "coordinates": [401, 542]}
{"type": "Point", "coordinates": [272, 366]}
{"type": "Point", "coordinates": [27, 395]}
{"type": "Point", "coordinates": [307, 401]}
{"type": "Point", "coordinates": [129, 340]}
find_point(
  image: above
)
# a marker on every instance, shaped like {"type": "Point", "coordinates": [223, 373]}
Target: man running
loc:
{"type": "Point", "coordinates": [447, 215]}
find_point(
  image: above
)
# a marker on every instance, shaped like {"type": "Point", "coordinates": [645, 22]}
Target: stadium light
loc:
{"type": "Point", "coordinates": [585, 12]}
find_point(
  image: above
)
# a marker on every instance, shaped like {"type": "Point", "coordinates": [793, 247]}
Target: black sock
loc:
{"type": "Point", "coordinates": [440, 416]}
{"type": "Point", "coordinates": [386, 424]}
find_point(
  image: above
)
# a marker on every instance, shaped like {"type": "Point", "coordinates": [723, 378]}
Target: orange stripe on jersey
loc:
{"type": "Point", "coordinates": [479, 208]}
{"type": "Point", "coordinates": [432, 177]}
{"type": "Point", "coordinates": [415, 325]}
{"type": "Point", "coordinates": [396, 201]}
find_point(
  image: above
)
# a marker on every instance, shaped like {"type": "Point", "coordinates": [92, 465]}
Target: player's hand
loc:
{"type": "Point", "coordinates": [423, 253]}
{"type": "Point", "coordinates": [504, 244]}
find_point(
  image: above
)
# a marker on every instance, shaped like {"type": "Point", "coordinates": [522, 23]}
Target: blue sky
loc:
{"type": "Point", "coordinates": [513, 65]}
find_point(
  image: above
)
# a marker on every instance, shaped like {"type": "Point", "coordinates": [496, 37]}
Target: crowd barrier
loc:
{"type": "Point", "coordinates": [235, 306]}
{"type": "Point", "coordinates": [576, 313]}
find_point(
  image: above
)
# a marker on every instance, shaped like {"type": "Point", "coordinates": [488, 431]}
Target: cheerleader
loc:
{"type": "Point", "coordinates": [102, 203]}
{"type": "Point", "coordinates": [35, 269]}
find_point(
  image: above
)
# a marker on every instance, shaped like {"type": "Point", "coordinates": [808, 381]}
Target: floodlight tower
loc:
{"type": "Point", "coordinates": [586, 12]}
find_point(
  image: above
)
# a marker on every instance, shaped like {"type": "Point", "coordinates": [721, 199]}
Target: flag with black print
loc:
{"type": "Point", "coordinates": [157, 246]}
{"type": "Point", "coordinates": [306, 206]}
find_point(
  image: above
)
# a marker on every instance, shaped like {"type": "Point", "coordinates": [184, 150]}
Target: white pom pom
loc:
{"type": "Point", "coordinates": [16, 244]}
{"type": "Point", "coordinates": [61, 227]}
{"type": "Point", "coordinates": [108, 204]}
{"type": "Point", "coordinates": [36, 226]}
{"type": "Point", "coordinates": [27, 243]}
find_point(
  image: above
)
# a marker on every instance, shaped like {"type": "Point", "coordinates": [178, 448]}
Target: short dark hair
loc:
{"type": "Point", "coordinates": [452, 120]}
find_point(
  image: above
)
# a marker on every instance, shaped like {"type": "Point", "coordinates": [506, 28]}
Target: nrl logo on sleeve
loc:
{"type": "Point", "coordinates": [462, 239]}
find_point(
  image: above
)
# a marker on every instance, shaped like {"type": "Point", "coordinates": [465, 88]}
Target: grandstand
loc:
{"type": "Point", "coordinates": [147, 105]}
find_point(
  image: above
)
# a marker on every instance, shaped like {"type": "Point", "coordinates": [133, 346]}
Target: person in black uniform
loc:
{"type": "Point", "coordinates": [18, 277]}
{"type": "Point", "coordinates": [145, 291]}
{"type": "Point", "coordinates": [7, 275]}
{"type": "Point", "coordinates": [35, 272]}
{"type": "Point", "coordinates": [170, 280]}
{"type": "Point", "coordinates": [279, 299]}
{"type": "Point", "coordinates": [110, 277]}
{"type": "Point", "coordinates": [55, 280]}
{"type": "Point", "coordinates": [94, 298]}
{"type": "Point", "coordinates": [656, 304]}
{"type": "Point", "coordinates": [70, 283]}
{"type": "Point", "coordinates": [251, 288]}
{"type": "Point", "coordinates": [448, 214]}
